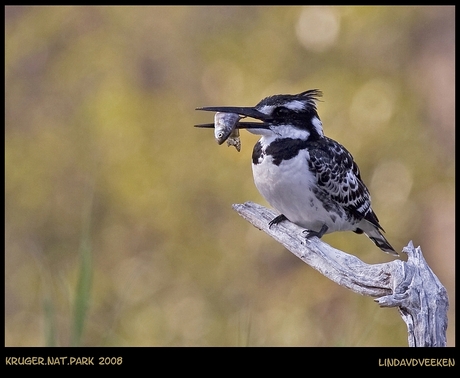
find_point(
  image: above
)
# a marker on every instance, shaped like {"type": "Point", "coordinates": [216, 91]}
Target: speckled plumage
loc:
{"type": "Point", "coordinates": [310, 179]}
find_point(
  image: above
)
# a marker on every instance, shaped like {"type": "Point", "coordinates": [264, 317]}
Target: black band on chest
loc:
{"type": "Point", "coordinates": [279, 150]}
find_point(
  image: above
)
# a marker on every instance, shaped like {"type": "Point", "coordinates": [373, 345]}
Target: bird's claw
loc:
{"type": "Point", "coordinates": [311, 233]}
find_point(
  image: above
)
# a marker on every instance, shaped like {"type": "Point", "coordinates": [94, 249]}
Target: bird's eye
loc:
{"type": "Point", "coordinates": [281, 111]}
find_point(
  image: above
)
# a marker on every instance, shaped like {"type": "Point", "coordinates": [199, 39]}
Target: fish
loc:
{"type": "Point", "coordinates": [225, 129]}
{"type": "Point", "coordinates": [234, 140]}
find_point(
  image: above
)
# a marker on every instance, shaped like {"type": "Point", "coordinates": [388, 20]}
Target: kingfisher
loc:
{"type": "Point", "coordinates": [310, 179]}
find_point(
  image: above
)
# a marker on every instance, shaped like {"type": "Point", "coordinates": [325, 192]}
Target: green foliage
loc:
{"type": "Point", "coordinates": [104, 98]}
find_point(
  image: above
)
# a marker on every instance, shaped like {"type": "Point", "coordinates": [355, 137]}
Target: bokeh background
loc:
{"type": "Point", "coordinates": [118, 219]}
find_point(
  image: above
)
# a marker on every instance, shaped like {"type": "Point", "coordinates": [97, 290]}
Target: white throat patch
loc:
{"type": "Point", "coordinates": [287, 131]}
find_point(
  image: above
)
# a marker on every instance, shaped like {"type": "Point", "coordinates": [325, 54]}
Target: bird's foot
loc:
{"type": "Point", "coordinates": [311, 233]}
{"type": "Point", "coordinates": [277, 220]}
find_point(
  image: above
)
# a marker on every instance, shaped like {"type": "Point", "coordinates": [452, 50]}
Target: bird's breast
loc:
{"type": "Point", "coordinates": [289, 186]}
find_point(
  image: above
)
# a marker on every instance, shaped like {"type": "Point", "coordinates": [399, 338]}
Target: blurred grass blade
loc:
{"type": "Point", "coordinates": [82, 295]}
{"type": "Point", "coordinates": [50, 324]}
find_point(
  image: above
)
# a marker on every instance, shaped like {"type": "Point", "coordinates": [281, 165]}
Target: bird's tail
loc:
{"type": "Point", "coordinates": [373, 232]}
{"type": "Point", "coordinates": [379, 240]}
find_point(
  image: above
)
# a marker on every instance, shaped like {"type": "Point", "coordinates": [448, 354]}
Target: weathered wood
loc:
{"type": "Point", "coordinates": [410, 286]}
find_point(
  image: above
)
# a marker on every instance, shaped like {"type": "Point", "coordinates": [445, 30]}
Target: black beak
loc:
{"type": "Point", "coordinates": [243, 111]}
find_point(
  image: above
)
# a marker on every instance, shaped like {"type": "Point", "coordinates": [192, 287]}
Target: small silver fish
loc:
{"type": "Point", "coordinates": [225, 129]}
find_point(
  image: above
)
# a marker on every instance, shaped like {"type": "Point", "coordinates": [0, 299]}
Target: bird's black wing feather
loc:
{"type": "Point", "coordinates": [339, 179]}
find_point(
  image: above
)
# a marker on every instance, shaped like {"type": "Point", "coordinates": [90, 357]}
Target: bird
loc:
{"type": "Point", "coordinates": [310, 179]}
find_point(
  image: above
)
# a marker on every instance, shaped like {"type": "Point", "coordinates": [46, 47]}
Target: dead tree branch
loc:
{"type": "Point", "coordinates": [410, 286]}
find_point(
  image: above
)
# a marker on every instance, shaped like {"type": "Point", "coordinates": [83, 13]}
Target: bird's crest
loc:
{"type": "Point", "coordinates": [312, 96]}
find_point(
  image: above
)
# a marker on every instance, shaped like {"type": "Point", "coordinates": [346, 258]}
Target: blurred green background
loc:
{"type": "Point", "coordinates": [119, 226]}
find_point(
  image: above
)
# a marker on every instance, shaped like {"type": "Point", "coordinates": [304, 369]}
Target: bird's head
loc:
{"type": "Point", "coordinates": [281, 116]}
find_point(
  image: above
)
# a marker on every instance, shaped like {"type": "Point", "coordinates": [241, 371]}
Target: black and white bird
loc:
{"type": "Point", "coordinates": [310, 179]}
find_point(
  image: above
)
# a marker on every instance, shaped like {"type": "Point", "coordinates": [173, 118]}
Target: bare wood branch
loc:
{"type": "Point", "coordinates": [410, 286]}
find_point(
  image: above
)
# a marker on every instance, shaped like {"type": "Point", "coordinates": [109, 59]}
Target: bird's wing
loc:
{"type": "Point", "coordinates": [339, 180]}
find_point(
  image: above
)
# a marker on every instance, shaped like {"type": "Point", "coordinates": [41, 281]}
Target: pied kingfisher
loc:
{"type": "Point", "coordinates": [310, 179]}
